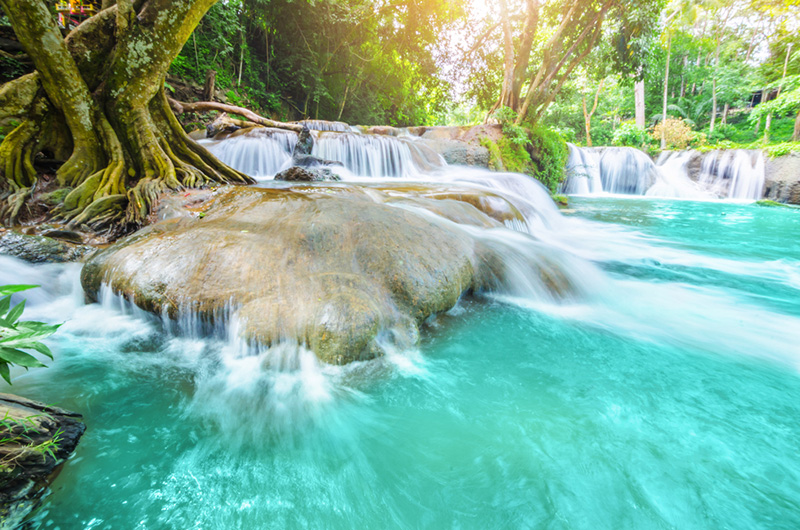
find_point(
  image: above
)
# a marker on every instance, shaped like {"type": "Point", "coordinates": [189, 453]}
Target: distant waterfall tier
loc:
{"type": "Point", "coordinates": [619, 170]}
{"type": "Point", "coordinates": [733, 174]}
{"type": "Point", "coordinates": [322, 125]}
{"type": "Point", "coordinates": [263, 152]}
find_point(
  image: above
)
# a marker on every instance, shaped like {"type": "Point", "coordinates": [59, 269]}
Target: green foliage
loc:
{"type": "Point", "coordinates": [514, 156]}
{"type": "Point", "coordinates": [781, 149]}
{"type": "Point", "coordinates": [772, 204]}
{"type": "Point", "coordinates": [495, 156]}
{"type": "Point", "coordinates": [515, 134]}
{"type": "Point", "coordinates": [549, 153]}
{"type": "Point", "coordinates": [539, 152]}
{"type": "Point", "coordinates": [17, 434]}
{"type": "Point", "coordinates": [356, 61]}
{"type": "Point", "coordinates": [631, 135]}
{"type": "Point", "coordinates": [11, 68]}
{"type": "Point", "coordinates": [17, 335]}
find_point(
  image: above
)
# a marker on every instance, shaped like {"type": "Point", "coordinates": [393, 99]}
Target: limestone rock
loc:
{"type": "Point", "coordinates": [782, 176]}
{"type": "Point", "coordinates": [339, 270]}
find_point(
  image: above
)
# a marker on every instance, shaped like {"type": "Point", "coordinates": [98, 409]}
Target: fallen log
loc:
{"type": "Point", "coordinates": [202, 106]}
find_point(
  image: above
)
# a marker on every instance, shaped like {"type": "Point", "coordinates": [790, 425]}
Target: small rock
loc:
{"type": "Point", "coordinates": [41, 249]}
{"type": "Point", "coordinates": [299, 174]}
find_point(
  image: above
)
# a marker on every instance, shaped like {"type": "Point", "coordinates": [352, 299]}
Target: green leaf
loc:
{"type": "Point", "coordinates": [5, 304]}
{"type": "Point", "coordinates": [5, 372]}
{"type": "Point", "coordinates": [12, 355]}
{"type": "Point", "coordinates": [41, 348]}
{"type": "Point", "coordinates": [22, 340]}
{"type": "Point", "coordinates": [32, 325]}
{"type": "Point", "coordinates": [9, 289]}
{"type": "Point", "coordinates": [15, 313]}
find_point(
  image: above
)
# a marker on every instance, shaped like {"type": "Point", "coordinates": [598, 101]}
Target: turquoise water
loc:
{"type": "Point", "coordinates": [668, 398]}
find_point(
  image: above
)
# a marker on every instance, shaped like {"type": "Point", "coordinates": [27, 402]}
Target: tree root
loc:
{"type": "Point", "coordinates": [12, 203]}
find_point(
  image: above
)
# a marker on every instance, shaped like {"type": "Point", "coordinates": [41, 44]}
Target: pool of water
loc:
{"type": "Point", "coordinates": [668, 398]}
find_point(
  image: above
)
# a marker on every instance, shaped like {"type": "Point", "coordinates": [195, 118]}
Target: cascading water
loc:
{"type": "Point", "coordinates": [322, 125]}
{"type": "Point", "coordinates": [734, 174]}
{"type": "Point", "coordinates": [258, 152]}
{"type": "Point", "coordinates": [583, 172]}
{"type": "Point", "coordinates": [731, 174]}
{"type": "Point", "coordinates": [620, 402]}
{"type": "Point", "coordinates": [263, 152]}
{"type": "Point", "coordinates": [367, 155]}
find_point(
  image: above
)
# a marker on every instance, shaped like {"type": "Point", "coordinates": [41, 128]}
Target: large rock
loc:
{"type": "Point", "coordinates": [782, 179]}
{"type": "Point", "coordinates": [26, 473]}
{"type": "Point", "coordinates": [336, 269]}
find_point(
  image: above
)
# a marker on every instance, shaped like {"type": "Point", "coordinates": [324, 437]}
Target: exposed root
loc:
{"type": "Point", "coordinates": [16, 155]}
{"type": "Point", "coordinates": [11, 204]}
{"type": "Point", "coordinates": [101, 212]}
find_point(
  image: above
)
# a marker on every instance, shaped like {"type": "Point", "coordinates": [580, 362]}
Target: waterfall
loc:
{"type": "Point", "coordinates": [621, 170]}
{"type": "Point", "coordinates": [583, 172]}
{"type": "Point", "coordinates": [730, 174]}
{"type": "Point", "coordinates": [367, 155]}
{"type": "Point", "coordinates": [259, 152]}
{"type": "Point", "coordinates": [734, 174]}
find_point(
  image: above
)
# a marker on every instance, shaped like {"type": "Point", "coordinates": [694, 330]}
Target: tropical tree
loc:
{"type": "Point", "coordinates": [98, 94]}
{"type": "Point", "coordinates": [542, 44]}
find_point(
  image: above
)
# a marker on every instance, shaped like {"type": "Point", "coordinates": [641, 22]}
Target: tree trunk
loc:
{"type": "Point", "coordinates": [106, 84]}
{"type": "Point", "coordinates": [666, 92]}
{"type": "Point", "coordinates": [780, 87]}
{"type": "Point", "coordinates": [796, 135]}
{"type": "Point", "coordinates": [713, 104]}
{"type": "Point", "coordinates": [725, 110]}
{"type": "Point", "coordinates": [208, 88]}
{"type": "Point", "coordinates": [587, 116]}
{"type": "Point", "coordinates": [638, 95]}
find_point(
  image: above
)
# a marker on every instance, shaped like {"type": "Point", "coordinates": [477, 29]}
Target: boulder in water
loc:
{"type": "Point", "coordinates": [338, 270]}
{"type": "Point", "coordinates": [299, 174]}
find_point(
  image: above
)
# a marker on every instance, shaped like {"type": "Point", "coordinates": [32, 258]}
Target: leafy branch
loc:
{"type": "Point", "coordinates": [17, 335]}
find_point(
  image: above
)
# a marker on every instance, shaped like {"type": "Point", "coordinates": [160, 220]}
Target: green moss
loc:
{"type": "Point", "coordinates": [549, 153]}
{"type": "Point", "coordinates": [56, 197]}
{"type": "Point", "coordinates": [773, 204]}
{"type": "Point", "coordinates": [495, 157]}
{"type": "Point", "coordinates": [562, 201]}
{"type": "Point", "coordinates": [514, 156]}
{"type": "Point", "coordinates": [541, 153]}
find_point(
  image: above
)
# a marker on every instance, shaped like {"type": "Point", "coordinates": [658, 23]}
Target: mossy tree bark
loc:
{"type": "Point", "coordinates": [103, 87]}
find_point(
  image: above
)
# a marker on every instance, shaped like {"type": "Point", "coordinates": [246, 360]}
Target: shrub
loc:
{"type": "Point", "coordinates": [677, 133]}
{"type": "Point", "coordinates": [628, 134]}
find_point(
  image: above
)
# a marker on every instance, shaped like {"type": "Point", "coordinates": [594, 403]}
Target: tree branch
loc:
{"type": "Point", "coordinates": [201, 106]}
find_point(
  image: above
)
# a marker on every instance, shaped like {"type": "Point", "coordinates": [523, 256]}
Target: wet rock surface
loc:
{"type": "Point", "coordinates": [37, 440]}
{"type": "Point", "coordinates": [299, 174]}
{"type": "Point", "coordinates": [52, 246]}
{"type": "Point", "coordinates": [337, 269]}
{"type": "Point", "coordinates": [783, 179]}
